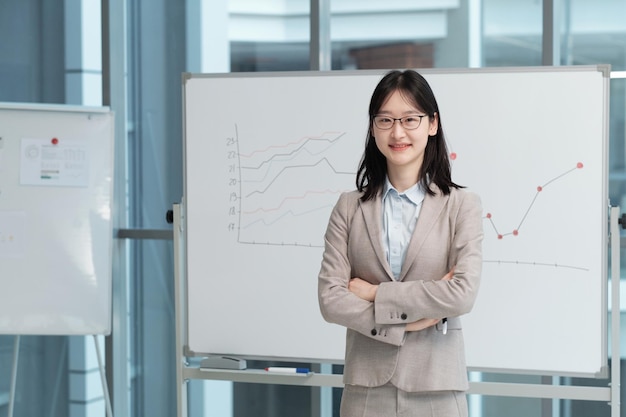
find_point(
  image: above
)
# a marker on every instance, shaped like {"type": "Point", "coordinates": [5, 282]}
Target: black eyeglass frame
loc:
{"type": "Point", "coordinates": [401, 120]}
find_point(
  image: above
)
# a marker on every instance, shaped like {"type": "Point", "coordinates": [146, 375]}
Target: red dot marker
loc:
{"type": "Point", "coordinates": [500, 236]}
{"type": "Point", "coordinates": [488, 215]}
{"type": "Point", "coordinates": [539, 189]}
{"type": "Point", "coordinates": [453, 156]}
{"type": "Point", "coordinates": [515, 232]}
{"type": "Point", "coordinates": [54, 141]}
{"type": "Point", "coordinates": [579, 165]}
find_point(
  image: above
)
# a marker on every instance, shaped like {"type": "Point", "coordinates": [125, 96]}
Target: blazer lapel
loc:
{"type": "Point", "coordinates": [432, 208]}
{"type": "Point", "coordinates": [372, 214]}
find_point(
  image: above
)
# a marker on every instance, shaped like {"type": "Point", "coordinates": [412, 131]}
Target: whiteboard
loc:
{"type": "Point", "coordinates": [56, 176]}
{"type": "Point", "coordinates": [267, 154]}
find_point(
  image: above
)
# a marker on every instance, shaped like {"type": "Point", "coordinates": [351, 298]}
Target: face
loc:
{"type": "Point", "coordinates": [403, 148]}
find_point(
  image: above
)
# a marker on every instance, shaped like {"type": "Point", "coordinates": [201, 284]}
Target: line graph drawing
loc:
{"type": "Point", "coordinates": [537, 250]}
{"type": "Point", "coordinates": [287, 190]}
{"type": "Point", "coordinates": [516, 231]}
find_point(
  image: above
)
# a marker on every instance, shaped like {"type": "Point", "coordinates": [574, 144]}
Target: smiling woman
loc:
{"type": "Point", "coordinates": [385, 276]}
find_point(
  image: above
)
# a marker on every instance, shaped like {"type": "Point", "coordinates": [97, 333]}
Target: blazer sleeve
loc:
{"type": "Point", "coordinates": [337, 304]}
{"type": "Point", "coordinates": [425, 297]}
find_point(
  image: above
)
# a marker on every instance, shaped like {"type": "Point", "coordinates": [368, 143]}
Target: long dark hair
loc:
{"type": "Point", "coordinates": [435, 168]}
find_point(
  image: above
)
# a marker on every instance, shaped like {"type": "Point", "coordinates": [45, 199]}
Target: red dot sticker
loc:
{"type": "Point", "coordinates": [55, 141]}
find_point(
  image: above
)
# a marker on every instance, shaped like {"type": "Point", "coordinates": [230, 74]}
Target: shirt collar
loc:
{"type": "Point", "coordinates": [415, 194]}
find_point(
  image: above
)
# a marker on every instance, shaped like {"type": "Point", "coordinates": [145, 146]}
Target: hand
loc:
{"type": "Point", "coordinates": [363, 289]}
{"type": "Point", "coordinates": [421, 324]}
{"type": "Point", "coordinates": [449, 275]}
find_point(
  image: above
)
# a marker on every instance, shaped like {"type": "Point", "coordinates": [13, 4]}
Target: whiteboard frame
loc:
{"type": "Point", "coordinates": [603, 69]}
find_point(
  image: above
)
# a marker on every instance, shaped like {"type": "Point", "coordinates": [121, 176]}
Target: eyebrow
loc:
{"type": "Point", "coordinates": [407, 113]}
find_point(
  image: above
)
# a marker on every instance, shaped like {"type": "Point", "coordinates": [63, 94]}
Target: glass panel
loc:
{"type": "Point", "coordinates": [512, 33]}
{"type": "Point", "coordinates": [593, 33]}
{"type": "Point", "coordinates": [404, 34]}
{"type": "Point", "coordinates": [617, 148]}
{"type": "Point", "coordinates": [33, 67]}
{"type": "Point", "coordinates": [269, 36]}
{"type": "Point", "coordinates": [156, 60]}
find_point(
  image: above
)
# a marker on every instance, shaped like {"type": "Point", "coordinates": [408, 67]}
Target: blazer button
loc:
{"type": "Point", "coordinates": [403, 316]}
{"type": "Point", "coordinates": [374, 332]}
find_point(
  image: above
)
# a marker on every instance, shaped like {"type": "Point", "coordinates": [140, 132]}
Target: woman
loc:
{"type": "Point", "coordinates": [402, 262]}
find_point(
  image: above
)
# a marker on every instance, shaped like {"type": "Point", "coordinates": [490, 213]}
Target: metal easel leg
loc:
{"type": "Point", "coordinates": [16, 354]}
{"type": "Point", "coordinates": [179, 275]}
{"type": "Point", "coordinates": [616, 221]}
{"type": "Point", "coordinates": [105, 388]}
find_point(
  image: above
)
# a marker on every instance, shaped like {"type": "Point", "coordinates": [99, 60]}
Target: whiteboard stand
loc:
{"type": "Point", "coordinates": [610, 394]}
{"type": "Point", "coordinates": [179, 293]}
{"type": "Point", "coordinates": [615, 221]}
{"type": "Point", "coordinates": [61, 219]}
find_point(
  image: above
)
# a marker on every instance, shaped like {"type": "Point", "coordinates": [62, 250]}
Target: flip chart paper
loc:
{"type": "Point", "coordinates": [64, 164]}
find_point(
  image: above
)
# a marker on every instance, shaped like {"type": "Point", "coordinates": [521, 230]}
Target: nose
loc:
{"type": "Point", "coordinates": [397, 129]}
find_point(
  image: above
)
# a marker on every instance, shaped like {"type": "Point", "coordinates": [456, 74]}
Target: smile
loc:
{"type": "Point", "coordinates": [399, 147]}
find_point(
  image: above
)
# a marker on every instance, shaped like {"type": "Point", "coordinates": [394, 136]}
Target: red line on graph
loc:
{"type": "Point", "coordinates": [302, 197]}
{"type": "Point", "coordinates": [540, 188]}
{"type": "Point", "coordinates": [287, 145]}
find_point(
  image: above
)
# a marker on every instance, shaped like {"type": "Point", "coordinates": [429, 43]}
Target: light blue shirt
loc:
{"type": "Point", "coordinates": [400, 212]}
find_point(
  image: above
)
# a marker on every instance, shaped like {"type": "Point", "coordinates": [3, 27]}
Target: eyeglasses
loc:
{"type": "Point", "coordinates": [408, 122]}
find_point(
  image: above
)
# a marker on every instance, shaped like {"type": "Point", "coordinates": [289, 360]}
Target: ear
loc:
{"type": "Point", "coordinates": [433, 125]}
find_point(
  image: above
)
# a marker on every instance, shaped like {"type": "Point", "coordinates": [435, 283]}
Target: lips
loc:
{"type": "Point", "coordinates": [399, 147]}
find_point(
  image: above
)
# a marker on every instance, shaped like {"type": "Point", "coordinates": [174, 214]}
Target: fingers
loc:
{"type": "Point", "coordinates": [449, 275]}
{"type": "Point", "coordinates": [421, 324]}
{"type": "Point", "coordinates": [362, 289]}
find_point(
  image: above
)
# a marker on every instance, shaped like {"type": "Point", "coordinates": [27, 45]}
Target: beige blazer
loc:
{"type": "Point", "coordinates": [378, 349]}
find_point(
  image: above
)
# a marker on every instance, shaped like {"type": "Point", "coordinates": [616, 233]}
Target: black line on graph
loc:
{"type": "Point", "coordinates": [331, 142]}
{"type": "Point", "coordinates": [298, 167]}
